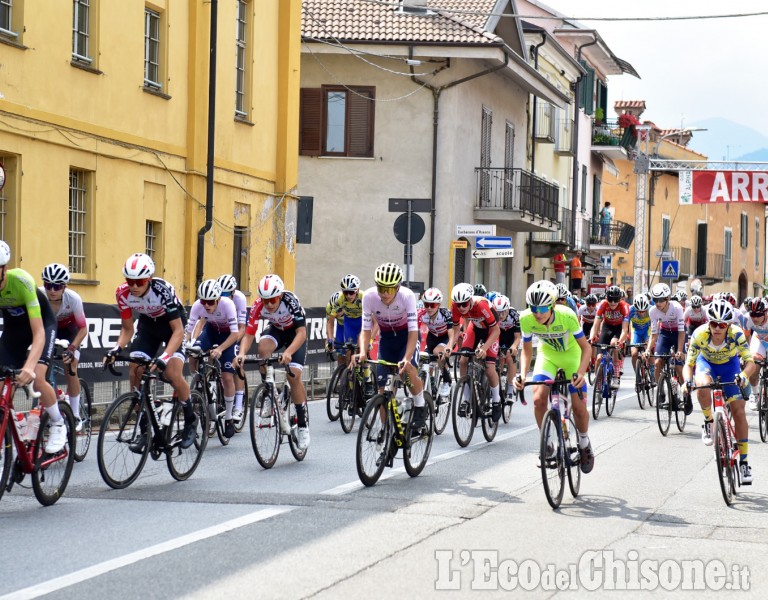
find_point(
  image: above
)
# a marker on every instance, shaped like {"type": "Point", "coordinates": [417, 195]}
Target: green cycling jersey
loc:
{"type": "Point", "coordinates": [19, 295]}
{"type": "Point", "coordinates": [558, 336]}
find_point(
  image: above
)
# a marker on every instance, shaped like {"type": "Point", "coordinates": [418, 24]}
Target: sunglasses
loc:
{"type": "Point", "coordinates": [136, 282]}
{"type": "Point", "coordinates": [350, 292]}
{"type": "Point", "coordinates": [431, 304]}
{"type": "Point", "coordinates": [540, 309]}
{"type": "Point", "coordinates": [719, 324]}
{"type": "Point", "coordinates": [208, 302]}
{"type": "Point", "coordinates": [462, 304]}
{"type": "Point", "coordinates": [274, 300]}
{"type": "Point", "coordinates": [54, 286]}
{"type": "Point", "coordinates": [386, 289]}
{"type": "Point", "coordinates": [662, 300]}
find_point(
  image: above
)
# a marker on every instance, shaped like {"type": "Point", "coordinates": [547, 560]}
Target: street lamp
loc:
{"type": "Point", "coordinates": [674, 133]}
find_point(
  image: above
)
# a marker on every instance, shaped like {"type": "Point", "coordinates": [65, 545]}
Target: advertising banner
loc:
{"type": "Point", "coordinates": [707, 187]}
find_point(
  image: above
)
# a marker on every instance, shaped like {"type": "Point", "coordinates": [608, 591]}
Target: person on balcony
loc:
{"type": "Point", "coordinates": [605, 221]}
{"type": "Point", "coordinates": [559, 262]}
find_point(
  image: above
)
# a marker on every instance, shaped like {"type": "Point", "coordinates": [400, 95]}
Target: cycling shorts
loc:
{"type": "Point", "coordinates": [392, 346]}
{"type": "Point", "coordinates": [640, 337]}
{"type": "Point", "coordinates": [352, 329]}
{"type": "Point", "coordinates": [608, 332]}
{"type": "Point", "coordinates": [209, 337]}
{"type": "Point", "coordinates": [544, 369]}
{"type": "Point", "coordinates": [150, 335]}
{"type": "Point", "coordinates": [665, 341]}
{"type": "Point", "coordinates": [17, 335]}
{"type": "Point", "coordinates": [338, 341]}
{"type": "Point", "coordinates": [474, 336]}
{"type": "Point", "coordinates": [284, 338]}
{"type": "Point", "coordinates": [433, 341]}
{"type": "Point", "coordinates": [726, 372]}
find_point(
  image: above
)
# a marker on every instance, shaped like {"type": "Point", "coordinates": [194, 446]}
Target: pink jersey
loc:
{"type": "Point", "coordinates": [398, 315]}
{"type": "Point", "coordinates": [224, 318]}
{"type": "Point", "coordinates": [670, 321]}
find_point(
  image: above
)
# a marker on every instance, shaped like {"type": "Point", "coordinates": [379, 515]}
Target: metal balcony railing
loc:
{"type": "Point", "coordinates": [616, 234]}
{"type": "Point", "coordinates": [710, 266]}
{"type": "Point", "coordinates": [683, 255]}
{"type": "Point", "coordinates": [564, 140]}
{"type": "Point", "coordinates": [582, 232]}
{"type": "Point", "coordinates": [608, 133]}
{"type": "Point", "coordinates": [516, 189]}
{"type": "Point", "coordinates": [545, 123]}
{"type": "Point", "coordinates": [564, 235]}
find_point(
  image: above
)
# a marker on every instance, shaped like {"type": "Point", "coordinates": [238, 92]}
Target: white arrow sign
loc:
{"type": "Point", "coordinates": [494, 253]}
{"type": "Point", "coordinates": [493, 242]}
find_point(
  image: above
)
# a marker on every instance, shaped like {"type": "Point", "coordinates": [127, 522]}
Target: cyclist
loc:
{"type": "Point", "coordinates": [287, 329]}
{"type": "Point", "coordinates": [480, 290]}
{"type": "Point", "coordinates": [564, 298]}
{"type": "Point", "coordinates": [161, 321]}
{"type": "Point", "coordinates": [228, 284]}
{"type": "Point", "coordinates": [563, 346]}
{"type": "Point", "coordinates": [393, 308]}
{"type": "Point", "coordinates": [509, 338]}
{"type": "Point", "coordinates": [29, 322]}
{"type": "Point", "coordinates": [667, 330]}
{"type": "Point", "coordinates": [587, 314]}
{"type": "Point", "coordinates": [641, 324]}
{"type": "Point", "coordinates": [439, 324]}
{"type": "Point", "coordinates": [715, 351]}
{"type": "Point", "coordinates": [333, 314]}
{"type": "Point", "coordinates": [482, 335]}
{"type": "Point", "coordinates": [613, 312]}
{"type": "Point", "coordinates": [694, 316]}
{"type": "Point", "coordinates": [213, 322]}
{"type": "Point", "coordinates": [70, 325]}
{"type": "Point", "coordinates": [757, 324]}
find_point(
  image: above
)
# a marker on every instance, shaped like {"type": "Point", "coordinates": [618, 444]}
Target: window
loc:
{"type": "Point", "coordinates": [242, 64]}
{"type": "Point", "coordinates": [665, 227]}
{"type": "Point", "coordinates": [304, 220]}
{"type": "Point", "coordinates": [727, 252]}
{"type": "Point", "coordinates": [11, 20]}
{"type": "Point", "coordinates": [240, 257]}
{"type": "Point", "coordinates": [8, 204]}
{"type": "Point", "coordinates": [595, 199]}
{"type": "Point", "coordinates": [744, 237]}
{"type": "Point", "coordinates": [81, 31]}
{"type": "Point", "coordinates": [337, 121]}
{"type": "Point", "coordinates": [597, 190]}
{"type": "Point", "coordinates": [757, 243]}
{"type": "Point", "coordinates": [152, 240]}
{"type": "Point", "coordinates": [152, 50]}
{"type": "Point", "coordinates": [78, 212]}
{"type": "Point", "coordinates": [586, 90]}
{"type": "Point", "coordinates": [486, 124]}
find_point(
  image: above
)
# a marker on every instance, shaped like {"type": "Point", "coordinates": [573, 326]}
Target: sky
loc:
{"type": "Point", "coordinates": [690, 70]}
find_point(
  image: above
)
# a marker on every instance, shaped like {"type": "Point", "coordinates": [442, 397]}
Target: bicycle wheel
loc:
{"type": "Point", "coordinates": [265, 429]}
{"type": "Point", "coordinates": [464, 413]}
{"type": "Point", "coordinates": [664, 404]}
{"type": "Point", "coordinates": [348, 391]}
{"type": "Point", "coordinates": [591, 373]}
{"type": "Point", "coordinates": [762, 412]}
{"type": "Point", "coordinates": [293, 442]}
{"type": "Point", "coordinates": [551, 460]}
{"type": "Point", "coordinates": [240, 425]}
{"type": "Point", "coordinates": [723, 459]}
{"type": "Point", "coordinates": [373, 440]}
{"type": "Point", "coordinates": [51, 474]}
{"type": "Point", "coordinates": [416, 456]}
{"type": "Point", "coordinates": [597, 392]}
{"type": "Point", "coordinates": [610, 401]}
{"type": "Point", "coordinates": [6, 453]}
{"type": "Point", "coordinates": [221, 411]}
{"type": "Point", "coordinates": [442, 407]}
{"type": "Point", "coordinates": [642, 385]}
{"type": "Point", "coordinates": [680, 416]}
{"type": "Point", "coordinates": [571, 436]}
{"type": "Point", "coordinates": [83, 437]}
{"type": "Point", "coordinates": [332, 395]}
{"type": "Point", "coordinates": [490, 427]}
{"type": "Point", "coordinates": [183, 462]}
{"type": "Point", "coordinates": [122, 425]}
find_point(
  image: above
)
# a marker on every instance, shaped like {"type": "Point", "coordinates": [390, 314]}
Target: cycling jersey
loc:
{"type": "Point", "coordinates": [289, 315]}
{"type": "Point", "coordinates": [669, 321]}
{"type": "Point", "coordinates": [512, 321]}
{"type": "Point", "coordinates": [159, 302]}
{"type": "Point", "coordinates": [735, 344]}
{"type": "Point", "coordinates": [481, 313]}
{"type": "Point", "coordinates": [399, 315]}
{"type": "Point", "coordinates": [71, 310]}
{"type": "Point", "coordinates": [19, 296]}
{"type": "Point", "coordinates": [640, 324]}
{"type": "Point", "coordinates": [587, 314]}
{"type": "Point", "coordinates": [613, 316]}
{"type": "Point", "coordinates": [558, 336]}
{"type": "Point", "coordinates": [241, 305]}
{"type": "Point", "coordinates": [758, 331]}
{"type": "Point", "coordinates": [693, 317]}
{"type": "Point", "coordinates": [223, 319]}
{"type": "Point", "coordinates": [332, 309]}
{"type": "Point", "coordinates": [350, 308]}
{"type": "Point", "coordinates": [439, 324]}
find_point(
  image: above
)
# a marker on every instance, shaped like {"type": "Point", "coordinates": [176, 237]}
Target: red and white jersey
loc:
{"type": "Point", "coordinates": [672, 320]}
{"type": "Point", "coordinates": [71, 310]}
{"type": "Point", "coordinates": [694, 317]}
{"type": "Point", "coordinates": [288, 315]}
{"type": "Point", "coordinates": [224, 318]}
{"type": "Point", "coordinates": [158, 302]}
{"type": "Point", "coordinates": [613, 316]}
{"type": "Point", "coordinates": [587, 314]}
{"type": "Point", "coordinates": [482, 314]}
{"type": "Point", "coordinates": [439, 324]}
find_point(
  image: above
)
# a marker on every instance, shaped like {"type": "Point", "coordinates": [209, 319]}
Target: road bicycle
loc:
{"type": "Point", "coordinates": [558, 444]}
{"type": "Point", "coordinates": [762, 400]}
{"type": "Point", "coordinates": [143, 423]}
{"type": "Point", "coordinates": [273, 415]}
{"type": "Point", "coordinates": [50, 472]}
{"type": "Point", "coordinates": [643, 380]}
{"type": "Point", "coordinates": [466, 413]}
{"type": "Point", "coordinates": [387, 426]}
{"type": "Point", "coordinates": [354, 391]}
{"type": "Point", "coordinates": [668, 399]}
{"type": "Point", "coordinates": [727, 456]}
{"type": "Point", "coordinates": [428, 363]}
{"type": "Point", "coordinates": [332, 393]}
{"type": "Point", "coordinates": [604, 391]}
{"type": "Point", "coordinates": [207, 382]}
{"type": "Point", "coordinates": [58, 368]}
{"type": "Point", "coordinates": [507, 401]}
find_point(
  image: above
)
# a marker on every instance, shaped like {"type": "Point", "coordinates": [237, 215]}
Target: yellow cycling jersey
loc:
{"type": "Point", "coordinates": [345, 308]}
{"type": "Point", "coordinates": [735, 344]}
{"type": "Point", "coordinates": [332, 311]}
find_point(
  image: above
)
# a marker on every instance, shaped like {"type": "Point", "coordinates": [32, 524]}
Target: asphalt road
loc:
{"type": "Point", "coordinates": [650, 515]}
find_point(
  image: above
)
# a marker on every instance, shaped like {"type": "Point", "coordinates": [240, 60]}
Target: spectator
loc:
{"type": "Point", "coordinates": [577, 273]}
{"type": "Point", "coordinates": [559, 260]}
{"type": "Point", "coordinates": [605, 221]}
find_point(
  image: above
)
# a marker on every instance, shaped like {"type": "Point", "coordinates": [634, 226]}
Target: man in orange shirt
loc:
{"type": "Point", "coordinates": [577, 273]}
{"type": "Point", "coordinates": [559, 260]}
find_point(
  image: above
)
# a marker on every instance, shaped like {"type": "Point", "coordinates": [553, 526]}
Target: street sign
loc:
{"type": "Point", "coordinates": [664, 254]}
{"type": "Point", "coordinates": [670, 269]}
{"type": "Point", "coordinates": [494, 253]}
{"type": "Point", "coordinates": [417, 204]}
{"type": "Point", "coordinates": [606, 261]}
{"type": "Point", "coordinates": [461, 244]}
{"type": "Point", "coordinates": [401, 228]}
{"type": "Point", "coordinates": [475, 230]}
{"type": "Point", "coordinates": [605, 272]}
{"type": "Point", "coordinates": [493, 242]}
{"type": "Point", "coordinates": [627, 280]}
{"type": "Point", "coordinates": [599, 280]}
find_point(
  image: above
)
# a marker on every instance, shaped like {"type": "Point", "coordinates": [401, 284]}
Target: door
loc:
{"type": "Point", "coordinates": [701, 249]}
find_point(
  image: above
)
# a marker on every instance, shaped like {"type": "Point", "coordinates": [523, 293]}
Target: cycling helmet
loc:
{"type": "Point", "coordinates": [591, 299]}
{"type": "Point", "coordinates": [56, 273]}
{"type": "Point", "coordinates": [5, 253]}
{"type": "Point", "coordinates": [433, 295]}
{"type": "Point", "coordinates": [660, 291]}
{"type": "Point", "coordinates": [728, 296]}
{"type": "Point", "coordinates": [462, 292]}
{"type": "Point", "coordinates": [562, 291]}
{"type": "Point", "coordinates": [228, 283]}
{"type": "Point", "coordinates": [613, 293]}
{"type": "Point", "coordinates": [695, 301]}
{"type": "Point", "coordinates": [388, 275]}
{"type": "Point", "coordinates": [541, 293]}
{"type": "Point", "coordinates": [334, 299]}
{"type": "Point", "coordinates": [271, 286]}
{"type": "Point", "coordinates": [138, 266]}
{"type": "Point", "coordinates": [350, 283]}
{"type": "Point", "coordinates": [757, 307]}
{"type": "Point", "coordinates": [480, 289]}
{"type": "Point", "coordinates": [209, 290]}
{"type": "Point", "coordinates": [748, 301]}
{"type": "Point", "coordinates": [682, 295]}
{"type": "Point", "coordinates": [720, 310]}
{"type": "Point", "coordinates": [641, 303]}
{"type": "Point", "coordinates": [501, 303]}
{"type": "Point", "coordinates": [491, 296]}
{"type": "Point", "coordinates": [420, 305]}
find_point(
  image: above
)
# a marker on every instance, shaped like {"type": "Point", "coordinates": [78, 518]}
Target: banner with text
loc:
{"type": "Point", "coordinates": [706, 187]}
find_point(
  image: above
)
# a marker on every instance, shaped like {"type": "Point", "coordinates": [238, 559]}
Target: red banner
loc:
{"type": "Point", "coordinates": [729, 186]}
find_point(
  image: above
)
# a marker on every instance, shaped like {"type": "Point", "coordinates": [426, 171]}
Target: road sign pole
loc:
{"type": "Point", "coordinates": [409, 246]}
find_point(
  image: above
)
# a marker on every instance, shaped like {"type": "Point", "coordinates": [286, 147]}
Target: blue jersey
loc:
{"type": "Point", "coordinates": [640, 324]}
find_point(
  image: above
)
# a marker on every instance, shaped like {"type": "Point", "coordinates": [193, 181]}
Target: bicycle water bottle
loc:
{"type": "Point", "coordinates": [270, 374]}
{"type": "Point", "coordinates": [556, 399]}
{"type": "Point", "coordinates": [166, 412]}
{"type": "Point", "coordinates": [21, 424]}
{"type": "Point", "coordinates": [212, 403]}
{"type": "Point", "coordinates": [33, 423]}
{"type": "Point", "coordinates": [285, 424]}
{"type": "Point", "coordinates": [406, 408]}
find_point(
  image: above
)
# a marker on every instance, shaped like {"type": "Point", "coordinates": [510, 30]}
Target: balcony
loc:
{"type": "Point", "coordinates": [565, 144]}
{"type": "Point", "coordinates": [710, 267]}
{"type": "Point", "coordinates": [615, 236]}
{"type": "Point", "coordinates": [550, 243]}
{"type": "Point", "coordinates": [683, 255]}
{"type": "Point", "coordinates": [610, 140]}
{"type": "Point", "coordinates": [546, 126]}
{"type": "Point", "coordinates": [516, 200]}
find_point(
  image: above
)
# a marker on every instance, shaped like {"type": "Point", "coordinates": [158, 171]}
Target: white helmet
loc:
{"type": "Point", "coordinates": [541, 293]}
{"type": "Point", "coordinates": [660, 290]}
{"type": "Point", "coordinates": [562, 291]}
{"type": "Point", "coordinates": [5, 253]}
{"type": "Point", "coordinates": [271, 286]}
{"type": "Point", "coordinates": [350, 283]}
{"type": "Point", "coordinates": [695, 301]}
{"type": "Point", "coordinates": [56, 273]}
{"type": "Point", "coordinates": [433, 295]}
{"type": "Point", "coordinates": [720, 310]}
{"type": "Point", "coordinates": [462, 292]}
{"type": "Point", "coordinates": [228, 283]}
{"type": "Point", "coordinates": [138, 266]}
{"type": "Point", "coordinates": [209, 290]}
{"type": "Point", "coordinates": [641, 303]}
{"type": "Point", "coordinates": [501, 303]}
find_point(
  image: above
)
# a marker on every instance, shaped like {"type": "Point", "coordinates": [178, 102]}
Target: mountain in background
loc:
{"type": "Point", "coordinates": [726, 140]}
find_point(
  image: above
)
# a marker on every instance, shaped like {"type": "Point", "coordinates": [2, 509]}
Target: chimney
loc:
{"type": "Point", "coordinates": [414, 7]}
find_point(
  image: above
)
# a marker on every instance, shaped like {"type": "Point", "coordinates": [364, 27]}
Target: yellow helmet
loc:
{"type": "Point", "coordinates": [388, 275]}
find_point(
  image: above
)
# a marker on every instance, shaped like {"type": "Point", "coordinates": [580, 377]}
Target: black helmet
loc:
{"type": "Point", "coordinates": [480, 289]}
{"type": "Point", "coordinates": [613, 293]}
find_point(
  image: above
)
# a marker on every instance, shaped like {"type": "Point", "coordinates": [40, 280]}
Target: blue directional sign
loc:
{"type": "Point", "coordinates": [670, 269]}
{"type": "Point", "coordinates": [487, 241]}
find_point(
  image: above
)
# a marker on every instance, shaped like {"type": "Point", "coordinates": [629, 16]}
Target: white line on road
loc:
{"type": "Point", "coordinates": [58, 583]}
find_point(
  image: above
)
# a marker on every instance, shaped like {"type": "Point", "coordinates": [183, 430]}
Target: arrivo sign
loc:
{"type": "Point", "coordinates": [706, 187]}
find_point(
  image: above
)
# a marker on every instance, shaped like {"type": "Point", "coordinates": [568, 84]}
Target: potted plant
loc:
{"type": "Point", "coordinates": [599, 115]}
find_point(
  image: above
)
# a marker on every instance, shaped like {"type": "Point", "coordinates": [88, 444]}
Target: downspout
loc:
{"type": "Point", "coordinates": [436, 92]}
{"type": "Point", "coordinates": [533, 140]}
{"type": "Point", "coordinates": [211, 129]}
{"type": "Point", "coordinates": [651, 196]}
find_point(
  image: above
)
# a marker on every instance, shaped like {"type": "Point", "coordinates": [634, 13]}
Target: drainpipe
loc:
{"type": "Point", "coordinates": [436, 91]}
{"type": "Point", "coordinates": [209, 166]}
{"type": "Point", "coordinates": [533, 140]}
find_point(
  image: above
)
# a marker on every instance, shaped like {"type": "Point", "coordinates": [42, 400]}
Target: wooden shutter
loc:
{"type": "Point", "coordinates": [360, 113]}
{"type": "Point", "coordinates": [310, 121]}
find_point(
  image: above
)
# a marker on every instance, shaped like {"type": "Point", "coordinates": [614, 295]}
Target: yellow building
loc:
{"type": "Point", "coordinates": [104, 133]}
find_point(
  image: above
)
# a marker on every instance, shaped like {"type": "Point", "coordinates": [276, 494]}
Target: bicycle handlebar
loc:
{"type": "Point", "coordinates": [270, 360]}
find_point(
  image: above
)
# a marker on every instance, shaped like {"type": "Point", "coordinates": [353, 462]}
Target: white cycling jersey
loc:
{"type": "Point", "coordinates": [71, 310]}
{"type": "Point", "coordinates": [224, 318]}
{"type": "Point", "coordinates": [398, 315]}
{"type": "Point", "coordinates": [670, 320]}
